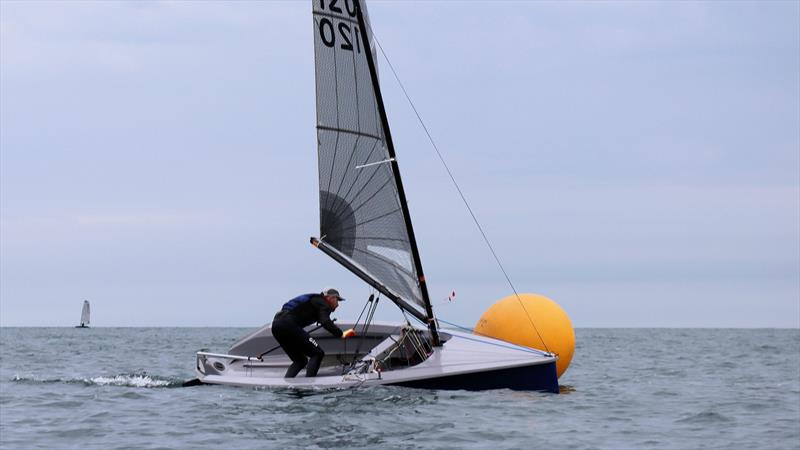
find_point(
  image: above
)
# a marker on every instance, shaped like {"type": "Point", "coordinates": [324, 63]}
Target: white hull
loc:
{"type": "Point", "coordinates": [464, 361]}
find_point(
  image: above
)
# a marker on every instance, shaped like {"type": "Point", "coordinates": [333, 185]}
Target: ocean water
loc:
{"type": "Point", "coordinates": [120, 388]}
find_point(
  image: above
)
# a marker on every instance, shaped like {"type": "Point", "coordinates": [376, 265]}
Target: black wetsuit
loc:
{"type": "Point", "coordinates": [288, 329]}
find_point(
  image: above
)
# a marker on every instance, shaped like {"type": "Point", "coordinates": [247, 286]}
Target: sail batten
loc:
{"type": "Point", "coordinates": [335, 16]}
{"type": "Point", "coordinates": [363, 215]}
{"type": "Point", "coordinates": [345, 130]}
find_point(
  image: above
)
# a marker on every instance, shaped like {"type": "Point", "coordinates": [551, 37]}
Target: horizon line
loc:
{"type": "Point", "coordinates": [577, 328]}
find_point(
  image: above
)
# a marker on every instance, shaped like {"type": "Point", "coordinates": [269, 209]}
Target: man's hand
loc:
{"type": "Point", "coordinates": [349, 333]}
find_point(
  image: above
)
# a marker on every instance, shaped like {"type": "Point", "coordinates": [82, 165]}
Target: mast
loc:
{"type": "Point", "coordinates": [396, 171]}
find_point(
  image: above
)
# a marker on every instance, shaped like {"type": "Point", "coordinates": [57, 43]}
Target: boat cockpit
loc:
{"type": "Point", "coordinates": [381, 347]}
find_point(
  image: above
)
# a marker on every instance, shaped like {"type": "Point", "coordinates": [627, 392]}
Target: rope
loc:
{"type": "Point", "coordinates": [373, 306]}
{"type": "Point", "coordinates": [416, 342]}
{"type": "Point", "coordinates": [460, 193]}
{"type": "Point", "coordinates": [367, 322]}
{"type": "Point", "coordinates": [355, 325]}
{"type": "Point", "coordinates": [457, 325]}
{"type": "Point", "coordinates": [516, 347]}
{"type": "Point", "coordinates": [362, 311]}
{"type": "Point", "coordinates": [410, 335]}
{"type": "Point", "coordinates": [471, 330]}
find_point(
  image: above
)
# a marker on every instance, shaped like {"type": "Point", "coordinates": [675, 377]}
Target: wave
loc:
{"type": "Point", "coordinates": [705, 417]}
{"type": "Point", "coordinates": [137, 380]}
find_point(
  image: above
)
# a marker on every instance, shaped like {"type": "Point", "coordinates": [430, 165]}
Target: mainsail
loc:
{"type": "Point", "coordinates": [363, 213]}
{"type": "Point", "coordinates": [85, 314]}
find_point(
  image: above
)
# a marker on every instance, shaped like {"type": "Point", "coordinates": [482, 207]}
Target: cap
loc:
{"type": "Point", "coordinates": [334, 292]}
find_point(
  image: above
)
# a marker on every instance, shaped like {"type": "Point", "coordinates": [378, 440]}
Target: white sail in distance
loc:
{"type": "Point", "coordinates": [85, 314]}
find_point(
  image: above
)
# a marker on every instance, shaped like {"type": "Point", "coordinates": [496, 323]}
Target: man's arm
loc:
{"type": "Point", "coordinates": [324, 317]}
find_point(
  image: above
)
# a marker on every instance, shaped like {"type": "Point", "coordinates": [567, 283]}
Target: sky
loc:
{"type": "Point", "coordinates": [636, 162]}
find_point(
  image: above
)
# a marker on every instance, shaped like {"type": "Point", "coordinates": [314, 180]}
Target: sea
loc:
{"type": "Point", "coordinates": [120, 388]}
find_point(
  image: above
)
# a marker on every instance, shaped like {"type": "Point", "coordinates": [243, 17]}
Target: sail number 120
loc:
{"type": "Point", "coordinates": [328, 33]}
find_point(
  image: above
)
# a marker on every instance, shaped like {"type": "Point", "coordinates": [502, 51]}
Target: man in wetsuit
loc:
{"type": "Point", "coordinates": [296, 314]}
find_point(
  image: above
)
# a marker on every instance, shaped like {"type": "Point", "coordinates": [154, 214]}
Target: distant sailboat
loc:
{"type": "Point", "coordinates": [84, 315]}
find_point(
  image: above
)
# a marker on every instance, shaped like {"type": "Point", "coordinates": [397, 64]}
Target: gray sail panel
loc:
{"type": "Point", "coordinates": [360, 211]}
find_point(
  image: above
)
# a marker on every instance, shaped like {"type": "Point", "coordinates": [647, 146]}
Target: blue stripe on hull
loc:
{"type": "Point", "coordinates": [541, 377]}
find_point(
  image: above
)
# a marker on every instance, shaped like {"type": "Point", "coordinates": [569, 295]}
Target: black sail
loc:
{"type": "Point", "coordinates": [361, 211]}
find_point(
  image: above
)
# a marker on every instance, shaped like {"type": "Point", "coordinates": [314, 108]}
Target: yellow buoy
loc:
{"type": "Point", "coordinates": [508, 320]}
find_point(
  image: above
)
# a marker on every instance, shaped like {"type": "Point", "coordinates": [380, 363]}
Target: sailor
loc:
{"type": "Point", "coordinates": [296, 314]}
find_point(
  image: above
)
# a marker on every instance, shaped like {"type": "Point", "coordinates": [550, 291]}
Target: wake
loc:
{"type": "Point", "coordinates": [135, 380]}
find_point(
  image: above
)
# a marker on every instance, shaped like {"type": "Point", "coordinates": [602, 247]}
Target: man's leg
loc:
{"type": "Point", "coordinates": [296, 367]}
{"type": "Point", "coordinates": [310, 348]}
{"type": "Point", "coordinates": [313, 364]}
{"type": "Point", "coordinates": [290, 337]}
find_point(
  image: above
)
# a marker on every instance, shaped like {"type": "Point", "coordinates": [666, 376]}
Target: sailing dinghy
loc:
{"type": "Point", "coordinates": [366, 227]}
{"type": "Point", "coordinates": [84, 315]}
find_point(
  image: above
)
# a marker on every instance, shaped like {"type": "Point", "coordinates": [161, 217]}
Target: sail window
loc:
{"type": "Point", "coordinates": [397, 256]}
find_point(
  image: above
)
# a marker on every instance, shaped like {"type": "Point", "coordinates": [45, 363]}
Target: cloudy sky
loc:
{"type": "Point", "coordinates": [637, 162]}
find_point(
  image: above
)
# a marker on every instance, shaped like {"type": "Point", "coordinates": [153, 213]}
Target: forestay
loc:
{"type": "Point", "coordinates": [361, 205]}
